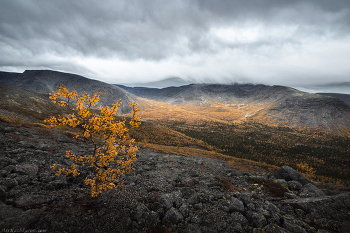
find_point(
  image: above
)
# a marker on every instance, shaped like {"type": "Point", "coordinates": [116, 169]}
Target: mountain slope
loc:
{"type": "Point", "coordinates": [26, 105]}
{"type": "Point", "coordinates": [21, 105]}
{"type": "Point", "coordinates": [46, 81]}
{"type": "Point", "coordinates": [241, 101]}
{"type": "Point", "coordinates": [313, 110]}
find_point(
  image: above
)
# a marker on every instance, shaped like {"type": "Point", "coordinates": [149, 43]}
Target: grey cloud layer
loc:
{"type": "Point", "coordinates": [152, 29]}
{"type": "Point", "coordinates": [46, 33]}
{"type": "Point", "coordinates": [132, 29]}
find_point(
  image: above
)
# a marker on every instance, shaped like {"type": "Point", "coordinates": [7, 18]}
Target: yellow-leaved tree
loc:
{"type": "Point", "coordinates": [112, 151]}
{"type": "Point", "coordinates": [307, 170]}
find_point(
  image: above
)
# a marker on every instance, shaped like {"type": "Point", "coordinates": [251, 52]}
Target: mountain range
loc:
{"type": "Point", "coordinates": [278, 103]}
{"type": "Point", "coordinates": [207, 102]}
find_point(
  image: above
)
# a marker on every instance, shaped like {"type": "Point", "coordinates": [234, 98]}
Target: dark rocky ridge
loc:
{"type": "Point", "coordinates": [313, 110]}
{"type": "Point", "coordinates": [164, 193]}
{"type": "Point", "coordinates": [214, 92]}
{"type": "Point", "coordinates": [46, 81]}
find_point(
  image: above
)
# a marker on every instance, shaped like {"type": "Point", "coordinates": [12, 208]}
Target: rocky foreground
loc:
{"type": "Point", "coordinates": [164, 193]}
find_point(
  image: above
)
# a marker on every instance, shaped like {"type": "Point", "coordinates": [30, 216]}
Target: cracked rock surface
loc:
{"type": "Point", "coordinates": [164, 193]}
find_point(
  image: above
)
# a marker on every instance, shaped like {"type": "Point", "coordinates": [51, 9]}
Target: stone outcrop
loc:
{"type": "Point", "coordinates": [164, 193]}
{"type": "Point", "coordinates": [289, 174]}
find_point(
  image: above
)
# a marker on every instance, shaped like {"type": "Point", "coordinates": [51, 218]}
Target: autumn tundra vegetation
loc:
{"type": "Point", "coordinates": [113, 152]}
{"type": "Point", "coordinates": [318, 154]}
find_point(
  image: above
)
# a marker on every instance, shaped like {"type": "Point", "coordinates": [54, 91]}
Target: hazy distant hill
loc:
{"type": "Point", "coordinates": [169, 82]}
{"type": "Point", "coordinates": [333, 87]}
{"type": "Point", "coordinates": [343, 97]}
{"type": "Point", "coordinates": [46, 81]}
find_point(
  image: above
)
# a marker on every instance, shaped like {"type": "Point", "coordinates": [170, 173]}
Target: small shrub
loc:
{"type": "Point", "coordinates": [113, 152]}
{"type": "Point", "coordinates": [306, 169]}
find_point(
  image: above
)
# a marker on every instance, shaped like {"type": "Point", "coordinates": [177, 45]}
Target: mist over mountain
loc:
{"type": "Point", "coordinates": [329, 88]}
{"type": "Point", "coordinates": [168, 82]}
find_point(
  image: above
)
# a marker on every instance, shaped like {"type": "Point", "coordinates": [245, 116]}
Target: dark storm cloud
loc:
{"type": "Point", "coordinates": [132, 29]}
{"type": "Point", "coordinates": [252, 40]}
{"type": "Point", "coordinates": [302, 12]}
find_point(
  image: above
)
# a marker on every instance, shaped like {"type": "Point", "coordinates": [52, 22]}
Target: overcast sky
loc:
{"type": "Point", "coordinates": [299, 43]}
